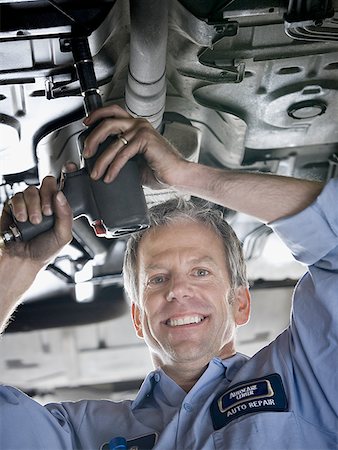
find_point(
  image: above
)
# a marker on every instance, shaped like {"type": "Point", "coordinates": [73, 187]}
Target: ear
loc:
{"type": "Point", "coordinates": [242, 303]}
{"type": "Point", "coordinates": [136, 316]}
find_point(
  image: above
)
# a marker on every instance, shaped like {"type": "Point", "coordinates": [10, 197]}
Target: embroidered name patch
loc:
{"type": "Point", "coordinates": [146, 442]}
{"type": "Point", "coordinates": [262, 394]}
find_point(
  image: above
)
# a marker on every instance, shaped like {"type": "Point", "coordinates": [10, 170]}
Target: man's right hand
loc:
{"type": "Point", "coordinates": [31, 205]}
{"type": "Point", "coordinates": [20, 262]}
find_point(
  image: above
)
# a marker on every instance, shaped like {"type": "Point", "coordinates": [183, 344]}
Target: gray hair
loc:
{"type": "Point", "coordinates": [173, 211]}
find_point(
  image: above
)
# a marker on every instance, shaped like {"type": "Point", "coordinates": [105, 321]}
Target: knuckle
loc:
{"type": "Point", "coordinates": [144, 131]}
{"type": "Point", "coordinates": [105, 123]}
{"type": "Point", "coordinates": [31, 191]}
{"type": "Point", "coordinates": [17, 203]}
{"type": "Point", "coordinates": [144, 123]}
{"type": "Point", "coordinates": [114, 108]}
{"type": "Point", "coordinates": [90, 138]}
{"type": "Point", "coordinates": [102, 160]}
{"type": "Point", "coordinates": [17, 197]}
{"type": "Point", "coordinates": [102, 130]}
{"type": "Point", "coordinates": [47, 183]}
{"type": "Point", "coordinates": [49, 179]}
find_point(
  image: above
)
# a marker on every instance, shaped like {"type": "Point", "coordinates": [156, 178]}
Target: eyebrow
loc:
{"type": "Point", "coordinates": [203, 259]}
{"type": "Point", "coordinates": [153, 267]}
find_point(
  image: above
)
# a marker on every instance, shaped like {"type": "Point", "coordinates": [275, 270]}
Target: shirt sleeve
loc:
{"type": "Point", "coordinates": [25, 424]}
{"type": "Point", "coordinates": [312, 234]}
{"type": "Point", "coordinates": [310, 350]}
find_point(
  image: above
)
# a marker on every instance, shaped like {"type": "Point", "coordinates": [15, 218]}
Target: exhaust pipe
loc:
{"type": "Point", "coordinates": [146, 84]}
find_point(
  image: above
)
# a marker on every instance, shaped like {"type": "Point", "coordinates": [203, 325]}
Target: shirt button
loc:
{"type": "Point", "coordinates": [187, 407]}
{"type": "Point", "coordinates": [157, 377]}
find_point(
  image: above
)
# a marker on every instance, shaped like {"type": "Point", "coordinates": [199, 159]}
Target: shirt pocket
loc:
{"type": "Point", "coordinates": [266, 430]}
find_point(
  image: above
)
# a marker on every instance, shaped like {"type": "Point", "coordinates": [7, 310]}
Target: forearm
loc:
{"type": "Point", "coordinates": [16, 276]}
{"type": "Point", "coordinates": [266, 197]}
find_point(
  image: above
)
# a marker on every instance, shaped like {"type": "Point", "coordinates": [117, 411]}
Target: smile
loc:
{"type": "Point", "coordinates": [185, 321]}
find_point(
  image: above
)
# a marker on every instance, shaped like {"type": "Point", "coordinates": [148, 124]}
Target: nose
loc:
{"type": "Point", "coordinates": [179, 288]}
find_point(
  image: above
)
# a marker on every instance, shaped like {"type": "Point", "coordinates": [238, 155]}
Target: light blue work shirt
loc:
{"type": "Point", "coordinates": [284, 397]}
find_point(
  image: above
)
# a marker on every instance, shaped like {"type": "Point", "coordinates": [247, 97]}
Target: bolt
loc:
{"type": "Point", "coordinates": [219, 29]}
{"type": "Point", "coordinates": [318, 23]}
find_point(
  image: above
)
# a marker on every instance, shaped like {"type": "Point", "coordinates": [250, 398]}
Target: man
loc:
{"type": "Point", "coordinates": [188, 288]}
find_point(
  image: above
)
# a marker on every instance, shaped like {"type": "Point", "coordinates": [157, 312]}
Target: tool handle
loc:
{"type": "Point", "coordinates": [29, 231]}
{"type": "Point", "coordinates": [78, 194]}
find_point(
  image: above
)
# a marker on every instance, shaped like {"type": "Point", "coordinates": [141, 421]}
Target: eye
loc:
{"type": "Point", "coordinates": [201, 272]}
{"type": "Point", "coordinates": [157, 279]}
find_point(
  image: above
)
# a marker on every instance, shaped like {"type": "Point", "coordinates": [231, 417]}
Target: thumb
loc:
{"type": "Point", "coordinates": [63, 219]}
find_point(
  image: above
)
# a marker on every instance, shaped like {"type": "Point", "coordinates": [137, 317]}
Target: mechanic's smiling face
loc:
{"type": "Point", "coordinates": [188, 312]}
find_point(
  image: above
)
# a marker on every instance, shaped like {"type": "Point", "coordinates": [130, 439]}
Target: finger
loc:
{"type": "Point", "coordinates": [102, 131]}
{"type": "Point", "coordinates": [106, 158]}
{"type": "Point", "coordinates": [98, 135]}
{"type": "Point", "coordinates": [6, 216]}
{"type": "Point", "coordinates": [122, 157]}
{"type": "Point", "coordinates": [107, 111]}
{"type": "Point", "coordinates": [47, 190]}
{"type": "Point", "coordinates": [33, 204]}
{"type": "Point", "coordinates": [127, 146]}
{"type": "Point", "coordinates": [63, 219]}
{"type": "Point", "coordinates": [44, 247]}
{"type": "Point", "coordinates": [18, 207]}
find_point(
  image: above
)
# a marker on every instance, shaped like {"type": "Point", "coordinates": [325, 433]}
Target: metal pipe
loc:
{"type": "Point", "coordinates": [146, 85]}
{"type": "Point", "coordinates": [85, 71]}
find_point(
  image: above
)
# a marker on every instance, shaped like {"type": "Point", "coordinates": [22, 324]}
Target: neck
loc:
{"type": "Point", "coordinates": [186, 373]}
{"type": "Point", "coordinates": [183, 375]}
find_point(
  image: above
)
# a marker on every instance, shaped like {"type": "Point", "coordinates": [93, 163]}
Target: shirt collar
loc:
{"type": "Point", "coordinates": [233, 364]}
{"type": "Point", "coordinates": [166, 384]}
{"type": "Point", "coordinates": [217, 368]}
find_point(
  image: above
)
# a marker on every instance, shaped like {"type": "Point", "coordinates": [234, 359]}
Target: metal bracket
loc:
{"type": "Point", "coordinates": [65, 45]}
{"type": "Point", "coordinates": [213, 74]}
{"type": "Point", "coordinates": [224, 28]}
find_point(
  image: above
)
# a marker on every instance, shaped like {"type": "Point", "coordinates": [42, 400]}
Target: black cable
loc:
{"type": "Point", "coordinates": [52, 3]}
{"type": "Point", "coordinates": [221, 8]}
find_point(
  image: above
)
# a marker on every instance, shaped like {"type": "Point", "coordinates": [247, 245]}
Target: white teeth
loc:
{"type": "Point", "coordinates": [184, 321]}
